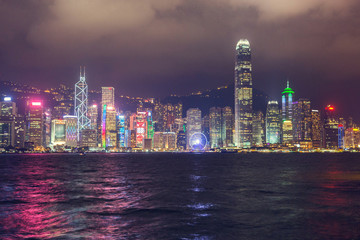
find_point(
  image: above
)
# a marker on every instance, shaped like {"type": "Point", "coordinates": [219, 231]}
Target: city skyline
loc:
{"type": "Point", "coordinates": [45, 44]}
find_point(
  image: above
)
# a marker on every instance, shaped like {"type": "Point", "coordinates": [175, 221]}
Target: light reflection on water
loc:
{"type": "Point", "coordinates": [180, 196]}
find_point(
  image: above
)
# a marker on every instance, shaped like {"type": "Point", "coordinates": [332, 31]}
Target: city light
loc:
{"type": "Point", "coordinates": [35, 103]}
{"type": "Point", "coordinates": [7, 99]}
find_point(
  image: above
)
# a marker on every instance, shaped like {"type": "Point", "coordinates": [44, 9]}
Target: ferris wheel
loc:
{"type": "Point", "coordinates": [198, 141]}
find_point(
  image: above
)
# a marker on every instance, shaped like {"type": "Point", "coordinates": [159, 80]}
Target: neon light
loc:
{"type": "Point", "coordinates": [104, 127]}
{"type": "Point", "coordinates": [7, 99]}
{"type": "Point", "coordinates": [94, 106]}
{"type": "Point", "coordinates": [340, 125]}
{"type": "Point", "coordinates": [35, 103]}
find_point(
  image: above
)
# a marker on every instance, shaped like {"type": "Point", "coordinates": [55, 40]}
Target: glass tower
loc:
{"type": "Point", "coordinates": [287, 115]}
{"type": "Point", "coordinates": [81, 103]}
{"type": "Point", "coordinates": [243, 95]}
{"type": "Point", "coordinates": [272, 123]}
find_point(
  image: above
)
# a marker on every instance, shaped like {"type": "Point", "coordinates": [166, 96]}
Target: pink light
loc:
{"type": "Point", "coordinates": [35, 103]}
{"type": "Point", "coordinates": [94, 105]}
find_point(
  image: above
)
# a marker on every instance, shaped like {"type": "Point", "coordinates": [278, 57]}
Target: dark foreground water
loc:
{"type": "Point", "coordinates": [180, 196]}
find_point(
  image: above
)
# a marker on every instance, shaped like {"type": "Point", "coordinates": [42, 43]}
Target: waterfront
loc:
{"type": "Point", "coordinates": [180, 196]}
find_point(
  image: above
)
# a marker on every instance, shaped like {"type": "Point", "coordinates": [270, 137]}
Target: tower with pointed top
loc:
{"type": "Point", "coordinates": [81, 103]}
{"type": "Point", "coordinates": [287, 115]}
{"type": "Point", "coordinates": [243, 95]}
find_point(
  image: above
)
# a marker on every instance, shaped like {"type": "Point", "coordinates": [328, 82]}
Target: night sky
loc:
{"type": "Point", "coordinates": [159, 47]}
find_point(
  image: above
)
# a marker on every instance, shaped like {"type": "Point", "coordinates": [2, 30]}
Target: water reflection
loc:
{"type": "Point", "coordinates": [179, 196]}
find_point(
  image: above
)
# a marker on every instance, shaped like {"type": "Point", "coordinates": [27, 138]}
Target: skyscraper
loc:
{"type": "Point", "coordinates": [287, 115]}
{"type": "Point", "coordinates": [302, 120]}
{"type": "Point", "coordinates": [35, 124]}
{"type": "Point", "coordinates": [108, 96]}
{"type": "Point", "coordinates": [215, 127]}
{"type": "Point", "coordinates": [70, 131]}
{"type": "Point", "coordinates": [193, 125]}
{"type": "Point", "coordinates": [316, 128]}
{"type": "Point", "coordinates": [330, 128]}
{"type": "Point", "coordinates": [273, 125]}
{"type": "Point", "coordinates": [243, 95]}
{"type": "Point", "coordinates": [227, 118]}
{"type": "Point", "coordinates": [108, 117]}
{"type": "Point", "coordinates": [81, 103]}
{"type": "Point", "coordinates": [58, 133]}
{"type": "Point", "coordinates": [258, 129]}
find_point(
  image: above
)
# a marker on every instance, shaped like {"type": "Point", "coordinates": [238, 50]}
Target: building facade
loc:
{"type": "Point", "coordinates": [243, 95]}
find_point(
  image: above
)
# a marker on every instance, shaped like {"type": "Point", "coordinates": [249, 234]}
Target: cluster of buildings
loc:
{"type": "Point", "coordinates": [293, 124]}
{"type": "Point", "coordinates": [76, 122]}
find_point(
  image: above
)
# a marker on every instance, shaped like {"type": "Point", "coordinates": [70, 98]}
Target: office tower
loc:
{"type": "Point", "coordinates": [243, 95]}
{"type": "Point", "coordinates": [272, 123]}
{"type": "Point", "coordinates": [341, 136]}
{"type": "Point", "coordinates": [330, 128]}
{"type": "Point", "coordinates": [111, 134]}
{"type": "Point", "coordinates": [93, 116]}
{"type": "Point", "coordinates": [81, 103]}
{"type": "Point", "coordinates": [71, 131]}
{"type": "Point", "coordinates": [58, 134]}
{"type": "Point", "coordinates": [205, 126]}
{"type": "Point", "coordinates": [302, 121]}
{"type": "Point", "coordinates": [352, 138]}
{"type": "Point", "coordinates": [181, 140]}
{"type": "Point", "coordinates": [108, 96]}
{"type": "Point", "coordinates": [316, 128]}
{"type": "Point", "coordinates": [19, 131]}
{"type": "Point", "coordinates": [121, 130]}
{"type": "Point", "coordinates": [164, 115]}
{"type": "Point", "coordinates": [35, 124]}
{"type": "Point", "coordinates": [227, 118]}
{"type": "Point", "coordinates": [8, 113]}
{"type": "Point", "coordinates": [6, 131]}
{"type": "Point", "coordinates": [193, 125]}
{"type": "Point", "coordinates": [88, 138]}
{"type": "Point", "coordinates": [258, 129]}
{"type": "Point", "coordinates": [108, 118]}
{"type": "Point", "coordinates": [215, 127]}
{"type": "Point", "coordinates": [287, 115]}
{"type": "Point", "coordinates": [165, 141]}
{"type": "Point", "coordinates": [7, 107]}
{"type": "Point", "coordinates": [47, 127]}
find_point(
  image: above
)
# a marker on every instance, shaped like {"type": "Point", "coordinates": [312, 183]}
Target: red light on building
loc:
{"type": "Point", "coordinates": [340, 125]}
{"type": "Point", "coordinates": [330, 108]}
{"type": "Point", "coordinates": [35, 103]}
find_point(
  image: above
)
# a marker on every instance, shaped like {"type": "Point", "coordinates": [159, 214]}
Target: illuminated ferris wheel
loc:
{"type": "Point", "coordinates": [198, 141]}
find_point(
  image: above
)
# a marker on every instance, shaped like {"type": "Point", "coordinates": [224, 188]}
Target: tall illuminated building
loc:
{"type": "Point", "coordinates": [331, 125]}
{"type": "Point", "coordinates": [352, 138]}
{"type": "Point", "coordinates": [7, 122]}
{"type": "Point", "coordinates": [341, 136]}
{"type": "Point", "coordinates": [108, 117]}
{"type": "Point", "coordinates": [243, 95]}
{"type": "Point", "coordinates": [273, 123]}
{"type": "Point", "coordinates": [258, 129]}
{"type": "Point", "coordinates": [227, 118]}
{"type": "Point", "coordinates": [35, 124]}
{"type": "Point", "coordinates": [193, 125]}
{"type": "Point", "coordinates": [93, 115]}
{"type": "Point", "coordinates": [108, 96]}
{"type": "Point", "coordinates": [110, 122]}
{"type": "Point", "coordinates": [81, 103]}
{"type": "Point", "coordinates": [121, 130]}
{"type": "Point", "coordinates": [215, 127]}
{"type": "Point", "coordinates": [302, 120]}
{"type": "Point", "coordinates": [8, 107]}
{"type": "Point", "coordinates": [58, 133]}
{"type": "Point", "coordinates": [71, 131]}
{"type": "Point", "coordinates": [287, 115]}
{"type": "Point", "coordinates": [316, 128]}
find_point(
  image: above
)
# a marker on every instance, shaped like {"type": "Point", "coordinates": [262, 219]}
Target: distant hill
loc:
{"type": "Point", "coordinates": [219, 97]}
